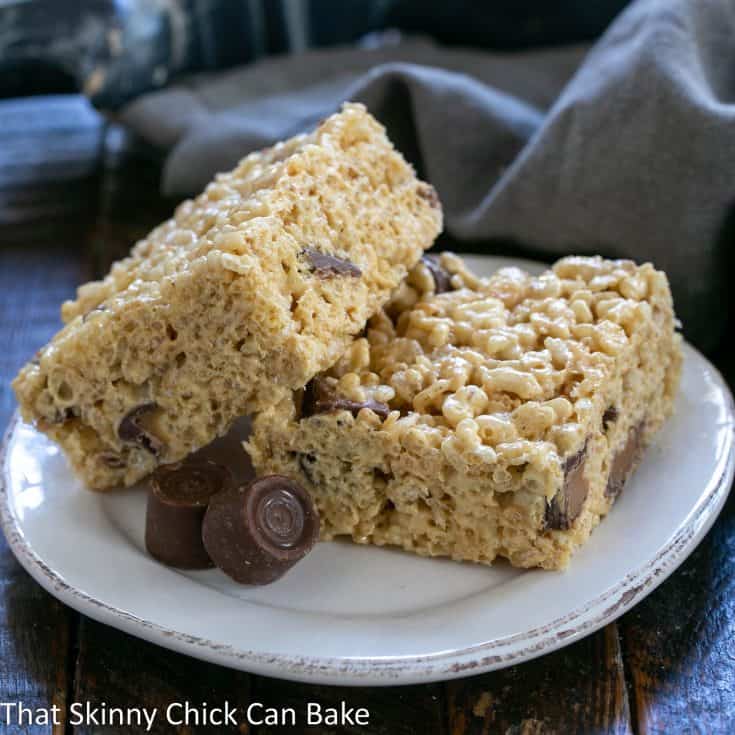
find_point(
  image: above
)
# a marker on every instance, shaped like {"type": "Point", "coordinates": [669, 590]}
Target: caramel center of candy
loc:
{"type": "Point", "coordinates": [280, 518]}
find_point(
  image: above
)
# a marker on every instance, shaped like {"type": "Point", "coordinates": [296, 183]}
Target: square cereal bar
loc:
{"type": "Point", "coordinates": [250, 290]}
{"type": "Point", "coordinates": [485, 417]}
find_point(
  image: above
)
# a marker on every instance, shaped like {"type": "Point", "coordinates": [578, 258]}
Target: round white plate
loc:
{"type": "Point", "coordinates": [352, 614]}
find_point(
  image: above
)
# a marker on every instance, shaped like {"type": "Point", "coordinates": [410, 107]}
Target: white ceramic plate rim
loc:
{"type": "Point", "coordinates": [494, 654]}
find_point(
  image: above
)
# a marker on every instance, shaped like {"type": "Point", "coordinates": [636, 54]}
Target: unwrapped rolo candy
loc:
{"type": "Point", "coordinates": [177, 501]}
{"type": "Point", "coordinates": [257, 532]}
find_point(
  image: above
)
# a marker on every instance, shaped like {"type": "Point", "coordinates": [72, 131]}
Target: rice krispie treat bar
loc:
{"type": "Point", "coordinates": [485, 417]}
{"type": "Point", "coordinates": [250, 290]}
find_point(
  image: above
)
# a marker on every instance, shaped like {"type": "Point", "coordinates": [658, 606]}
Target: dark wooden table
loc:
{"type": "Point", "coordinates": [75, 193]}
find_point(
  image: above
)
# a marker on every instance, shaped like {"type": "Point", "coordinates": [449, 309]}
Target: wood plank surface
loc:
{"type": "Point", "coordinates": [577, 690]}
{"type": "Point", "coordinates": [35, 629]}
{"type": "Point", "coordinates": [408, 710]}
{"type": "Point", "coordinates": [117, 671]}
{"type": "Point", "coordinates": [679, 643]}
{"type": "Point", "coordinates": [49, 149]}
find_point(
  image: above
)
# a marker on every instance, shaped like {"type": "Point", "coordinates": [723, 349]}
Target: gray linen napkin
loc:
{"type": "Point", "coordinates": [628, 150]}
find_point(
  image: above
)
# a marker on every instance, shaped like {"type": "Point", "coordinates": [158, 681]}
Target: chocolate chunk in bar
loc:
{"type": "Point", "coordinates": [567, 504]}
{"type": "Point", "coordinates": [129, 430]}
{"type": "Point", "coordinates": [428, 193]}
{"type": "Point", "coordinates": [609, 417]}
{"type": "Point", "coordinates": [307, 463]}
{"type": "Point", "coordinates": [624, 460]}
{"type": "Point", "coordinates": [329, 266]}
{"type": "Point", "coordinates": [177, 501]}
{"type": "Point", "coordinates": [257, 532]}
{"type": "Point", "coordinates": [319, 397]}
{"type": "Point", "coordinates": [442, 279]}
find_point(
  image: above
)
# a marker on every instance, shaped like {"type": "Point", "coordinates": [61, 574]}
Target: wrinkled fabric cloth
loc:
{"type": "Point", "coordinates": [626, 149]}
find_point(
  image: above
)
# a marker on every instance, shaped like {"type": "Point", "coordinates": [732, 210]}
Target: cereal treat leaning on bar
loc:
{"type": "Point", "coordinates": [249, 291]}
{"type": "Point", "coordinates": [485, 417]}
